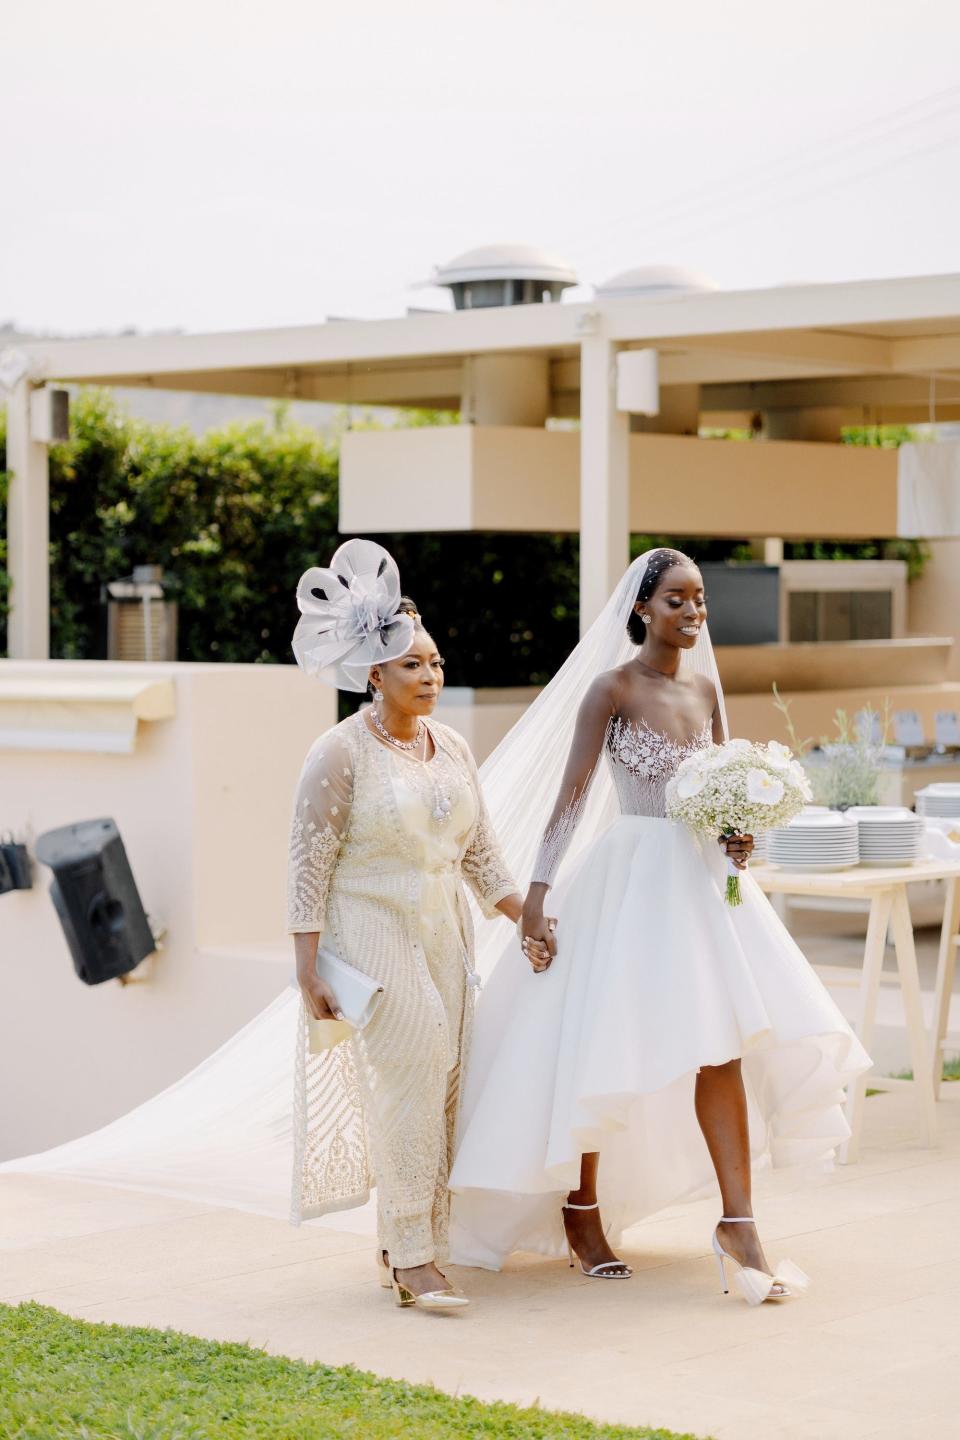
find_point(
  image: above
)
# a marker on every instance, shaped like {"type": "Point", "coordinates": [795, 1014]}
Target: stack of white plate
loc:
{"type": "Point", "coordinates": [942, 837]}
{"type": "Point", "coordinates": [889, 834]}
{"type": "Point", "coordinates": [940, 799]}
{"type": "Point", "coordinates": [815, 840]}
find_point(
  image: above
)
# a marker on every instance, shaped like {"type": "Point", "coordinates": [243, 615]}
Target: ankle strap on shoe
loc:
{"type": "Point", "coordinates": [594, 1206]}
{"type": "Point", "coordinates": [737, 1220]}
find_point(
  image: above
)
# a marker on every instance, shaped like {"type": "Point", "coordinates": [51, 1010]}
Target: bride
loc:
{"type": "Point", "coordinates": [667, 1038]}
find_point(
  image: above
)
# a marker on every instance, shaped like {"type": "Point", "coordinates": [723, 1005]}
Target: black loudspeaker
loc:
{"type": "Point", "coordinates": [15, 872]}
{"type": "Point", "coordinates": [96, 897]}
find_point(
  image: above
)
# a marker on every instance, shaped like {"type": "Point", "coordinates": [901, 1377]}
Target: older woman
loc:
{"type": "Point", "coordinates": [389, 820]}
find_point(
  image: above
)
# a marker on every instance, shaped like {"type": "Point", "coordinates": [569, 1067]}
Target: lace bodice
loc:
{"type": "Point", "coordinates": [642, 760]}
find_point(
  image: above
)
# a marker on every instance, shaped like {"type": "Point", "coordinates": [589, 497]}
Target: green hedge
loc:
{"type": "Point", "coordinates": [236, 515]}
{"type": "Point", "coordinates": [231, 515]}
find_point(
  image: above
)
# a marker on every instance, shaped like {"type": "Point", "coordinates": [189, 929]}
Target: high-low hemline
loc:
{"type": "Point", "coordinates": [656, 977]}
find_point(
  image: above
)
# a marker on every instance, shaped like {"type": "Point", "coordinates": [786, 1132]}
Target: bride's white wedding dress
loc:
{"type": "Point", "coordinates": [655, 976]}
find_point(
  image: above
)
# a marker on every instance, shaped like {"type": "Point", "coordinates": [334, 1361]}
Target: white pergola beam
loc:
{"type": "Point", "coordinates": [463, 332]}
{"type": "Point", "coordinates": [797, 308]}
{"type": "Point", "coordinates": [28, 533]}
{"type": "Point", "coordinates": [604, 479]}
{"type": "Point", "coordinates": [367, 386]}
{"type": "Point", "coordinates": [794, 307]}
{"type": "Point", "coordinates": [761, 357]}
{"type": "Point", "coordinates": [804, 352]}
{"type": "Point", "coordinates": [714, 367]}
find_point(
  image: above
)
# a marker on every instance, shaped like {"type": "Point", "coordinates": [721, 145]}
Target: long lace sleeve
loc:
{"type": "Point", "coordinates": [586, 750]}
{"type": "Point", "coordinates": [320, 814]}
{"type": "Point", "coordinates": [483, 865]}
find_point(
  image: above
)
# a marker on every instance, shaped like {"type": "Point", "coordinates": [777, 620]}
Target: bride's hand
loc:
{"type": "Point", "coordinates": [739, 848]}
{"type": "Point", "coordinates": [538, 940]}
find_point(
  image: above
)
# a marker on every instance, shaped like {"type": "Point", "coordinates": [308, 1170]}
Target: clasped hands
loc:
{"type": "Point", "coordinates": [538, 940]}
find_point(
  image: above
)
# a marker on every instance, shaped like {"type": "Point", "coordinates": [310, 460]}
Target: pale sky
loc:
{"type": "Point", "coordinates": [225, 164]}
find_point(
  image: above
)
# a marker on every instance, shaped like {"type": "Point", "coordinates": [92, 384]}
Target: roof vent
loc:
{"type": "Point", "coordinates": [646, 281]}
{"type": "Point", "coordinates": [504, 275]}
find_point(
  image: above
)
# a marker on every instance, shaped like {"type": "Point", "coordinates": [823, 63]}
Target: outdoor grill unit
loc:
{"type": "Point", "coordinates": [141, 620]}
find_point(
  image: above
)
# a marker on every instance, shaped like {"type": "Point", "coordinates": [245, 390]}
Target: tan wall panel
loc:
{"type": "Point", "coordinates": [406, 480]}
{"type": "Point", "coordinates": [527, 479]}
{"type": "Point", "coordinates": [756, 718]}
{"type": "Point", "coordinates": [827, 665]}
{"type": "Point", "coordinates": [680, 485]}
{"type": "Point", "coordinates": [933, 601]}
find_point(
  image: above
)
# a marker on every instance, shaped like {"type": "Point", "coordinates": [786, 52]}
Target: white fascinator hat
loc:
{"type": "Point", "coordinates": [349, 617]}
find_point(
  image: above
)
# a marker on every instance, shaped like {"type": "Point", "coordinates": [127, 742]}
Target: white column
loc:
{"type": "Point", "coordinates": [28, 533]}
{"type": "Point", "coordinates": [604, 479]}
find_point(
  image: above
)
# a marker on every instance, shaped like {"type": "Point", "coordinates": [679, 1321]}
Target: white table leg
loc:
{"type": "Point", "coordinates": [781, 904]}
{"type": "Point", "coordinates": [946, 966]}
{"type": "Point", "coordinates": [873, 952]}
{"type": "Point", "coordinates": [913, 1010]}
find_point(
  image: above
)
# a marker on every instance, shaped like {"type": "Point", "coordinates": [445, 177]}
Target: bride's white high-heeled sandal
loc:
{"type": "Point", "coordinates": [428, 1300]}
{"type": "Point", "coordinates": [607, 1269]}
{"type": "Point", "coordinates": [787, 1281]}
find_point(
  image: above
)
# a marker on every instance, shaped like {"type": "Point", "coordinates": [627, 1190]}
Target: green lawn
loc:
{"type": "Point", "coordinates": [951, 1071]}
{"type": "Point", "coordinates": [64, 1379]}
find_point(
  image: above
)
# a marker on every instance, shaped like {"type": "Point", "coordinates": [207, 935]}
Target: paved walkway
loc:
{"type": "Point", "coordinates": [872, 1351]}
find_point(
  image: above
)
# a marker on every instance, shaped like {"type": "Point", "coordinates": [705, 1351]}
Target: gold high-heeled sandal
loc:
{"type": "Point", "coordinates": [787, 1281]}
{"type": "Point", "coordinates": [607, 1269]}
{"type": "Point", "coordinates": [430, 1299]}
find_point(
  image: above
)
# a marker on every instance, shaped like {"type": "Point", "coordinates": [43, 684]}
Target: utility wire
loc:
{"type": "Point", "coordinates": [734, 188]}
{"type": "Point", "coordinates": [838, 182]}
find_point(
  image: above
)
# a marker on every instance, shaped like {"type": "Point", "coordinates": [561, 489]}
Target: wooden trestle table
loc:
{"type": "Point", "coordinates": [886, 891]}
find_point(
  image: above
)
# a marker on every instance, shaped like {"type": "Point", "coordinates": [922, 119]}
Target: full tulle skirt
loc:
{"type": "Point", "coordinates": [656, 976]}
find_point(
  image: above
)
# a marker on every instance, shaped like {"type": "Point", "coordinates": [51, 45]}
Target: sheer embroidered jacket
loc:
{"type": "Point", "coordinates": [380, 844]}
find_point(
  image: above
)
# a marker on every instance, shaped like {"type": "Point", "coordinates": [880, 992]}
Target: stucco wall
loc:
{"type": "Point", "coordinates": [933, 601]}
{"type": "Point", "coordinates": [203, 807]}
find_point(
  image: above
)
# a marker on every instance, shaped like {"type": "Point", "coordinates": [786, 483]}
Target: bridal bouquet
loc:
{"type": "Point", "coordinates": [738, 788]}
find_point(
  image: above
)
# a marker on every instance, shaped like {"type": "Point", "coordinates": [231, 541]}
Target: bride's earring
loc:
{"type": "Point", "coordinates": [647, 619]}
